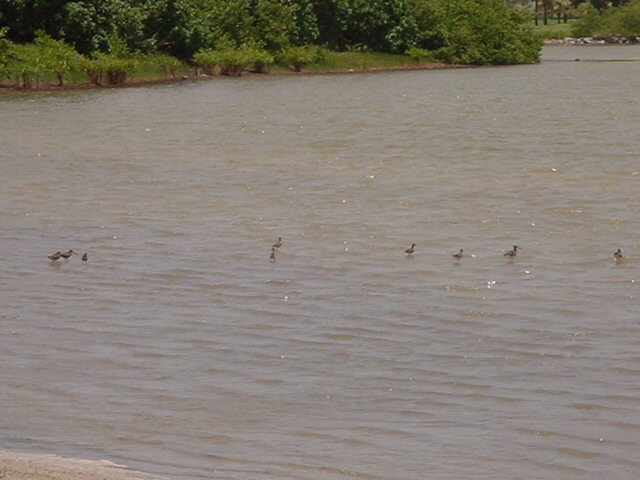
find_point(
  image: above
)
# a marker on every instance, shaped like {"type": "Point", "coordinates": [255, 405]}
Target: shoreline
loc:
{"type": "Point", "coordinates": [24, 466]}
{"type": "Point", "coordinates": [592, 41]}
{"type": "Point", "coordinates": [141, 82]}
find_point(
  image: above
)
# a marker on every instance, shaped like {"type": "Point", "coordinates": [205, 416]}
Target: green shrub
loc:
{"type": "Point", "coordinates": [114, 68]}
{"type": "Point", "coordinates": [624, 20]}
{"type": "Point", "coordinates": [207, 60]}
{"type": "Point", "coordinates": [259, 58]}
{"type": "Point", "coordinates": [168, 64]}
{"type": "Point", "coordinates": [481, 32]}
{"type": "Point", "coordinates": [5, 45]}
{"type": "Point", "coordinates": [233, 61]}
{"type": "Point", "coordinates": [56, 57]}
{"type": "Point", "coordinates": [23, 65]}
{"type": "Point", "coordinates": [297, 57]}
{"type": "Point", "coordinates": [589, 24]}
{"type": "Point", "coordinates": [420, 54]}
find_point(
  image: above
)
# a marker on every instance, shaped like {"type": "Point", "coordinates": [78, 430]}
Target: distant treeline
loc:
{"type": "Point", "coordinates": [455, 31]}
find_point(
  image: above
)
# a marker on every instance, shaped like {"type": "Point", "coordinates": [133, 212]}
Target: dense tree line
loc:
{"type": "Point", "coordinates": [471, 31]}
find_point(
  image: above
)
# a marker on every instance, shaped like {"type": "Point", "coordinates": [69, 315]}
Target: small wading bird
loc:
{"type": "Point", "coordinates": [55, 257]}
{"type": "Point", "coordinates": [411, 249]}
{"type": "Point", "coordinates": [459, 255]}
{"type": "Point", "coordinates": [84, 257]}
{"type": "Point", "coordinates": [512, 253]}
{"type": "Point", "coordinates": [618, 254]}
{"type": "Point", "coordinates": [272, 255]}
{"type": "Point", "coordinates": [278, 244]}
{"type": "Point", "coordinates": [67, 255]}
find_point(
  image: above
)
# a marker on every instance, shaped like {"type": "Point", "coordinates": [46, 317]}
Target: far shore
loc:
{"type": "Point", "coordinates": [141, 81]}
{"type": "Point", "coordinates": [22, 466]}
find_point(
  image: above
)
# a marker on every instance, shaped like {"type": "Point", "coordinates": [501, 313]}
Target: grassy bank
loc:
{"type": "Point", "coordinates": [148, 70]}
{"type": "Point", "coordinates": [554, 30]}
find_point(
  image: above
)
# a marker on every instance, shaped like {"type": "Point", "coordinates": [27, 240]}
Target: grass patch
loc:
{"type": "Point", "coordinates": [145, 67]}
{"type": "Point", "coordinates": [359, 61]}
{"type": "Point", "coordinates": [554, 30]}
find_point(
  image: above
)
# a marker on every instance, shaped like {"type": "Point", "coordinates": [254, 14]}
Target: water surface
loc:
{"type": "Point", "coordinates": [180, 349]}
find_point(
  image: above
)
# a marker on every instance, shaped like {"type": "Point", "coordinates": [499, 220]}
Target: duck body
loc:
{"type": "Point", "coordinates": [513, 252]}
{"type": "Point", "coordinates": [458, 255]}
{"type": "Point", "coordinates": [411, 249]}
{"type": "Point", "coordinates": [66, 255]}
{"type": "Point", "coordinates": [55, 257]}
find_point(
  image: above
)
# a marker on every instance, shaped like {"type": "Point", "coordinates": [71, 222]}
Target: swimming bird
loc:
{"type": "Point", "coordinates": [618, 254]}
{"type": "Point", "coordinates": [84, 257]}
{"type": "Point", "coordinates": [411, 249]}
{"type": "Point", "coordinates": [278, 244]}
{"type": "Point", "coordinates": [512, 253]}
{"type": "Point", "coordinates": [55, 257]}
{"type": "Point", "coordinates": [458, 256]}
{"type": "Point", "coordinates": [272, 255]}
{"type": "Point", "coordinates": [67, 255]}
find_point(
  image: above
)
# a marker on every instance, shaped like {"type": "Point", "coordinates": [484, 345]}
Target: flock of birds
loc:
{"type": "Point", "coordinates": [617, 255]}
{"type": "Point", "coordinates": [54, 257]}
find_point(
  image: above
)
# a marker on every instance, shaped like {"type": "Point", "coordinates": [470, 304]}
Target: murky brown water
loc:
{"type": "Point", "coordinates": [181, 350]}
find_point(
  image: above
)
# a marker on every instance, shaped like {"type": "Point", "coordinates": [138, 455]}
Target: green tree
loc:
{"type": "Point", "coordinates": [183, 27]}
{"type": "Point", "coordinates": [89, 24]}
{"type": "Point", "coordinates": [274, 23]}
{"type": "Point", "coordinates": [381, 25]}
{"type": "Point", "coordinates": [478, 32]}
{"type": "Point", "coordinates": [25, 17]}
{"type": "Point", "coordinates": [305, 29]}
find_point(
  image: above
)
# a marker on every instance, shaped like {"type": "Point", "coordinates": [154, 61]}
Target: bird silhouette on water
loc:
{"type": "Point", "coordinates": [458, 255]}
{"type": "Point", "coordinates": [411, 249]}
{"type": "Point", "coordinates": [618, 254]}
{"type": "Point", "coordinates": [55, 256]}
{"type": "Point", "coordinates": [512, 253]}
{"type": "Point", "coordinates": [66, 255]}
{"type": "Point", "coordinates": [272, 255]}
{"type": "Point", "coordinates": [84, 257]}
{"type": "Point", "coordinates": [278, 244]}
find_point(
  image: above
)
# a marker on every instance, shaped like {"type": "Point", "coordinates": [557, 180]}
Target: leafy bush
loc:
{"type": "Point", "coordinates": [5, 45]}
{"type": "Point", "coordinates": [261, 59]}
{"type": "Point", "coordinates": [589, 24]}
{"type": "Point", "coordinates": [624, 20]}
{"type": "Point", "coordinates": [233, 61]}
{"type": "Point", "coordinates": [168, 64]}
{"type": "Point", "coordinates": [102, 64]}
{"type": "Point", "coordinates": [207, 59]}
{"type": "Point", "coordinates": [23, 65]}
{"type": "Point", "coordinates": [628, 20]}
{"type": "Point", "coordinates": [296, 57]}
{"type": "Point", "coordinates": [56, 57]}
{"type": "Point", "coordinates": [420, 54]}
{"type": "Point", "coordinates": [479, 32]}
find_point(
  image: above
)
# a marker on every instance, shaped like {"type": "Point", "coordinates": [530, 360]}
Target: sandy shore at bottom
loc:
{"type": "Point", "coordinates": [20, 466]}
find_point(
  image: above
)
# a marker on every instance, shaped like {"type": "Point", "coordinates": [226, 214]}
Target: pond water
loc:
{"type": "Point", "coordinates": [179, 348]}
